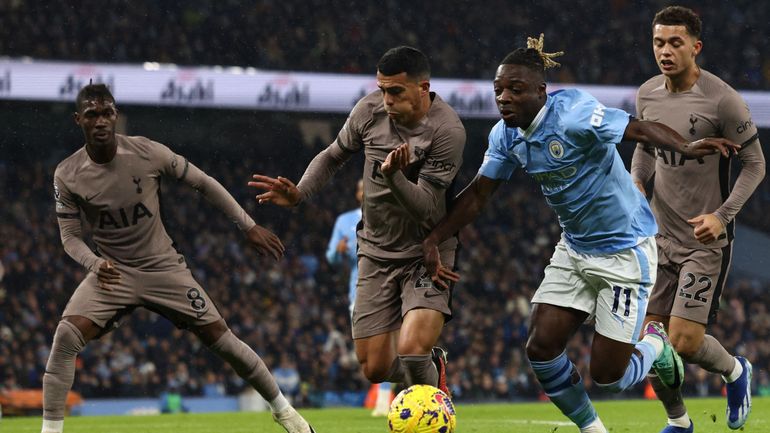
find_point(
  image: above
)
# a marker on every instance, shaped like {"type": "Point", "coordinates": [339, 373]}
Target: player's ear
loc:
{"type": "Point", "coordinates": [76, 117]}
{"type": "Point", "coordinates": [697, 47]}
{"type": "Point", "coordinates": [424, 86]}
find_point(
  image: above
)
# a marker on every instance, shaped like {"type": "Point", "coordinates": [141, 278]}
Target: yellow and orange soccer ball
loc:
{"type": "Point", "coordinates": [421, 409]}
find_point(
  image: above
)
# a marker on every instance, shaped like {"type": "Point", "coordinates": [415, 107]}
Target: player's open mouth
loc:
{"type": "Point", "coordinates": [667, 64]}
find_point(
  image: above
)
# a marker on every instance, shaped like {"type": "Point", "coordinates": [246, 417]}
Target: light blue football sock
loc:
{"type": "Point", "coordinates": [638, 367]}
{"type": "Point", "coordinates": [555, 376]}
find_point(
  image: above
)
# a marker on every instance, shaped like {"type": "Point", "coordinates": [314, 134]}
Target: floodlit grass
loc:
{"type": "Point", "coordinates": [632, 416]}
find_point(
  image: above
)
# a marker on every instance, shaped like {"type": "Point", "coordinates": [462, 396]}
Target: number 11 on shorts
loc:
{"type": "Point", "coordinates": [616, 302]}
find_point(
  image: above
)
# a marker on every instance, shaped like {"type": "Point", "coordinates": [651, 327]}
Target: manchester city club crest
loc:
{"type": "Point", "coordinates": [556, 149]}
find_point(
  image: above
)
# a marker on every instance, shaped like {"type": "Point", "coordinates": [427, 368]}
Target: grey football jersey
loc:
{"type": "Point", "coordinates": [120, 200]}
{"type": "Point", "coordinates": [685, 188]}
{"type": "Point", "coordinates": [437, 145]}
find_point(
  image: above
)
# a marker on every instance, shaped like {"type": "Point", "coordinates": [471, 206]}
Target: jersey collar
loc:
{"type": "Point", "coordinates": [536, 121]}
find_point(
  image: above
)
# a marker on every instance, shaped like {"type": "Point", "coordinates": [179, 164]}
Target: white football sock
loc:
{"type": "Point", "coordinates": [278, 404]}
{"type": "Point", "coordinates": [736, 374]}
{"type": "Point", "coordinates": [50, 426]}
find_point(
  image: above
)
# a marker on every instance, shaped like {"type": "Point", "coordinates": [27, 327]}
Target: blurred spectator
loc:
{"type": "Point", "coordinates": [606, 42]}
{"type": "Point", "coordinates": [294, 312]}
{"type": "Point", "coordinates": [287, 377]}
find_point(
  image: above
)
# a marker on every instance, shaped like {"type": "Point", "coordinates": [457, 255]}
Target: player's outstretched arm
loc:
{"type": "Point", "coordinates": [265, 242]}
{"type": "Point", "coordinates": [283, 192]}
{"type": "Point", "coordinates": [466, 208]}
{"type": "Point", "coordinates": [660, 135]}
{"type": "Point", "coordinates": [277, 190]}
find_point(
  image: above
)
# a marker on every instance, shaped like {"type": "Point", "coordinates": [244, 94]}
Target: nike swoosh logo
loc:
{"type": "Point", "coordinates": [688, 305]}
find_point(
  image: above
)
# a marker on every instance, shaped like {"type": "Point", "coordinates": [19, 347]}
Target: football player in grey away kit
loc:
{"type": "Point", "coordinates": [694, 207]}
{"type": "Point", "coordinates": [113, 183]}
{"type": "Point", "coordinates": [413, 143]}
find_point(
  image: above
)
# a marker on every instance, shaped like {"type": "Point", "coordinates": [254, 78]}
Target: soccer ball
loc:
{"type": "Point", "coordinates": [421, 409]}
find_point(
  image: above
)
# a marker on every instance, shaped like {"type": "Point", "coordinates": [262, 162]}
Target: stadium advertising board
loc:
{"type": "Point", "coordinates": [249, 88]}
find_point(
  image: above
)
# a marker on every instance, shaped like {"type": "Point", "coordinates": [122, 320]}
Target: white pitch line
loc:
{"type": "Point", "coordinates": [524, 421]}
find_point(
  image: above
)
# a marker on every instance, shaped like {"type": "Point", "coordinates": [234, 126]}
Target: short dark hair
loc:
{"type": "Point", "coordinates": [527, 57]}
{"type": "Point", "coordinates": [93, 92]}
{"type": "Point", "coordinates": [679, 16]}
{"type": "Point", "coordinates": [404, 59]}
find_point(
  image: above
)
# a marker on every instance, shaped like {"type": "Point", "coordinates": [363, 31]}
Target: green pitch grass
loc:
{"type": "Point", "coordinates": [629, 416]}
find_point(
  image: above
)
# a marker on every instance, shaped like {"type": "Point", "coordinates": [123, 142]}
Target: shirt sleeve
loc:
{"type": "Point", "coordinates": [735, 120]}
{"type": "Point", "coordinates": [350, 137]}
{"type": "Point", "coordinates": [349, 141]}
{"type": "Point", "coordinates": [178, 167]}
{"type": "Point", "coordinates": [643, 161]}
{"type": "Point", "coordinates": [737, 126]}
{"type": "Point", "coordinates": [445, 157]}
{"type": "Point", "coordinates": [591, 123]}
{"type": "Point", "coordinates": [70, 227]}
{"type": "Point", "coordinates": [439, 167]}
{"type": "Point", "coordinates": [497, 163]}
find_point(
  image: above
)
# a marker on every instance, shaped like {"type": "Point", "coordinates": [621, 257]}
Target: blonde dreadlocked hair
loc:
{"type": "Point", "coordinates": [533, 57]}
{"type": "Point", "coordinates": [537, 44]}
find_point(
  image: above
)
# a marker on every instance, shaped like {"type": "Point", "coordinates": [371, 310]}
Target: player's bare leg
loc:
{"type": "Point", "coordinates": [72, 334]}
{"type": "Point", "coordinates": [695, 346]}
{"type": "Point", "coordinates": [420, 331]}
{"type": "Point", "coordinates": [249, 366]}
{"type": "Point", "coordinates": [671, 398]}
{"type": "Point", "coordinates": [551, 327]}
{"type": "Point", "coordinates": [378, 358]}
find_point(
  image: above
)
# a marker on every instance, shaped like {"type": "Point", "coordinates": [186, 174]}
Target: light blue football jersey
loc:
{"type": "Point", "coordinates": [569, 149]}
{"type": "Point", "coordinates": [345, 226]}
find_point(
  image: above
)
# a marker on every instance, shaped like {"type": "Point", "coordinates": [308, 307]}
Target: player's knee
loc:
{"type": "Point", "coordinates": [68, 339]}
{"type": "Point", "coordinates": [211, 333]}
{"type": "Point", "coordinates": [538, 350]}
{"type": "Point", "coordinates": [607, 379]}
{"type": "Point", "coordinates": [412, 347]}
{"type": "Point", "coordinates": [686, 345]}
{"type": "Point", "coordinates": [375, 372]}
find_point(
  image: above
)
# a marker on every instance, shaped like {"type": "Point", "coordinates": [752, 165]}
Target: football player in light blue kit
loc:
{"type": "Point", "coordinates": [604, 266]}
{"type": "Point", "coordinates": [342, 248]}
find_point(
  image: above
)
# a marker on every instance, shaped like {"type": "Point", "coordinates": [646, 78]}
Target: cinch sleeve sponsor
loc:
{"type": "Point", "coordinates": [444, 157]}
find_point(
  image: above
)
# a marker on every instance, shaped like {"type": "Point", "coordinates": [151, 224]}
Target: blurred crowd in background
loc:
{"type": "Point", "coordinates": [606, 42]}
{"type": "Point", "coordinates": [294, 312]}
